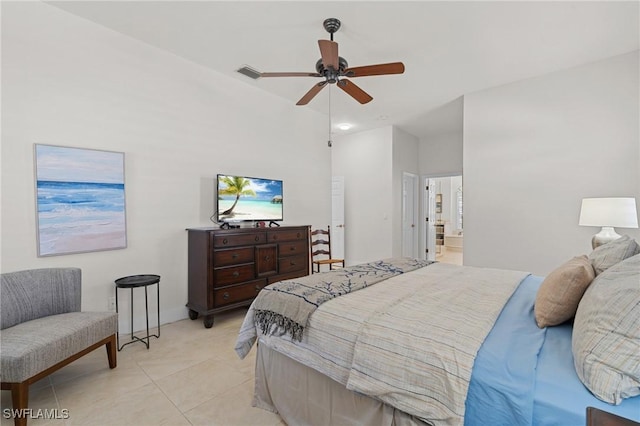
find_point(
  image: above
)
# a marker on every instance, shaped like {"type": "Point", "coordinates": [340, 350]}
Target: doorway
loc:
{"type": "Point", "coordinates": [444, 219]}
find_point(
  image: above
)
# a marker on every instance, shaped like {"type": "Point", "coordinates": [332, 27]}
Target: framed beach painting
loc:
{"type": "Point", "coordinates": [80, 200]}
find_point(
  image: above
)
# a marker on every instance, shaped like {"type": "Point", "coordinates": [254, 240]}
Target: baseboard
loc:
{"type": "Point", "coordinates": [139, 321]}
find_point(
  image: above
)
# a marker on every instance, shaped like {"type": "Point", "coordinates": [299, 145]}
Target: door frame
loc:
{"type": "Point", "coordinates": [427, 229]}
{"type": "Point", "coordinates": [425, 208]}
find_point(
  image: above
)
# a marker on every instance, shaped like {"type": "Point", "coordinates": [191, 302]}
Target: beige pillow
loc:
{"type": "Point", "coordinates": [560, 292]}
{"type": "Point", "coordinates": [606, 333]}
{"type": "Point", "coordinates": [607, 255]}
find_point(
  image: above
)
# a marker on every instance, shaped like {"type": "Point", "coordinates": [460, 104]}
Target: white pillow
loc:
{"type": "Point", "coordinates": [607, 255]}
{"type": "Point", "coordinates": [606, 333]}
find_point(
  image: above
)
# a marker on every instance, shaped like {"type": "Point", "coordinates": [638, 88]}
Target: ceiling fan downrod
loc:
{"type": "Point", "coordinates": [331, 25]}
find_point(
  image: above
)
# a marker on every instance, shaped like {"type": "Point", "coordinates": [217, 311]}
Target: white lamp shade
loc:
{"type": "Point", "coordinates": [613, 212]}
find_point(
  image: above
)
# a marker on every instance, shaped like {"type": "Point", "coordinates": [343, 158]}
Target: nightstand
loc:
{"type": "Point", "coordinates": [596, 417]}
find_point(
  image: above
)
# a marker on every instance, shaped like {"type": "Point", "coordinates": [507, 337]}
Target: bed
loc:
{"type": "Point", "coordinates": [413, 343]}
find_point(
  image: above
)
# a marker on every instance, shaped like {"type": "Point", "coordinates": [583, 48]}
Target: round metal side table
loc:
{"type": "Point", "coordinates": [132, 282]}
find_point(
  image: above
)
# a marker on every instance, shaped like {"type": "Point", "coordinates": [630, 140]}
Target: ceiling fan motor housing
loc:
{"type": "Point", "coordinates": [329, 73]}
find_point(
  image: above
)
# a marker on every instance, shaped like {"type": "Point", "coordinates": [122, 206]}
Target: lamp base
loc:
{"type": "Point", "coordinates": [606, 235]}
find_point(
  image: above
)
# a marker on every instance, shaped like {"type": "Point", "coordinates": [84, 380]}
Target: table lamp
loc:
{"type": "Point", "coordinates": [608, 213]}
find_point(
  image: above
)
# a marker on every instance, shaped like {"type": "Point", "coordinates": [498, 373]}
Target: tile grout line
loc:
{"type": "Point", "coordinates": [162, 391]}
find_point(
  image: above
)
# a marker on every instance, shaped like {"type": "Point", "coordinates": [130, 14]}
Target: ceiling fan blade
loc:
{"type": "Point", "coordinates": [329, 53]}
{"type": "Point", "coordinates": [289, 74]}
{"type": "Point", "coordinates": [380, 69]}
{"type": "Point", "coordinates": [311, 93]}
{"type": "Point", "coordinates": [356, 93]}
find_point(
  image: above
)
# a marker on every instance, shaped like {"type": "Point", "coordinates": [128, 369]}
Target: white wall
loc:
{"type": "Point", "coordinates": [372, 163]}
{"type": "Point", "coordinates": [67, 81]}
{"type": "Point", "coordinates": [405, 159]}
{"type": "Point", "coordinates": [533, 149]}
{"type": "Point", "coordinates": [365, 161]}
{"type": "Point", "coordinates": [440, 153]}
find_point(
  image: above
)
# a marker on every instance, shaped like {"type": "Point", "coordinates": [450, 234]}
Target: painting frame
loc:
{"type": "Point", "coordinates": [80, 200]}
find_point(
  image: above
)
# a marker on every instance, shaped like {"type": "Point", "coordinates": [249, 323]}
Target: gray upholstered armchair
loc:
{"type": "Point", "coordinates": [43, 329]}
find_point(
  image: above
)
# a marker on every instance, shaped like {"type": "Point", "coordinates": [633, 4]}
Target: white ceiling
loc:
{"type": "Point", "coordinates": [449, 48]}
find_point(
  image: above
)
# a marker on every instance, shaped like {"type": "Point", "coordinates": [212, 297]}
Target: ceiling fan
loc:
{"type": "Point", "coordinates": [334, 69]}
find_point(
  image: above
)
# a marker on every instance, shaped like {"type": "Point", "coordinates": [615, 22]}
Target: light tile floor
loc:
{"type": "Point", "coordinates": [450, 256]}
{"type": "Point", "coordinates": [190, 376]}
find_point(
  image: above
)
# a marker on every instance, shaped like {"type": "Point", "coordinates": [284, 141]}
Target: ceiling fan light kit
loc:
{"type": "Point", "coordinates": [335, 69]}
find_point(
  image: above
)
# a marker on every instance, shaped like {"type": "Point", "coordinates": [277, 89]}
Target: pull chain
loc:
{"type": "Point", "coordinates": [330, 143]}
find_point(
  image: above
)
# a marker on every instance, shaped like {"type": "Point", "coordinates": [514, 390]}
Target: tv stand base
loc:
{"type": "Point", "coordinates": [226, 225]}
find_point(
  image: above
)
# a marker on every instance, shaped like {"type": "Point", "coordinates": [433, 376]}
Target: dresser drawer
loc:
{"type": "Point", "coordinates": [245, 239]}
{"type": "Point", "coordinates": [233, 256]}
{"type": "Point", "coordinates": [288, 235]}
{"type": "Point", "coordinates": [233, 274]}
{"type": "Point", "coordinates": [238, 293]}
{"type": "Point", "coordinates": [292, 248]}
{"type": "Point", "coordinates": [292, 263]}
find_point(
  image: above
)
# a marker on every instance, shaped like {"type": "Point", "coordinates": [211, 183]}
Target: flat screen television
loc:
{"type": "Point", "coordinates": [243, 198]}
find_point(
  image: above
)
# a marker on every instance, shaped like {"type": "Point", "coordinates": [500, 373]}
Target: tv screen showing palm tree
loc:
{"type": "Point", "coordinates": [241, 198]}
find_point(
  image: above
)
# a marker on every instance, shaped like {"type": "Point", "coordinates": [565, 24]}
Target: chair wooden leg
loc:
{"type": "Point", "coordinates": [20, 400]}
{"type": "Point", "coordinates": [111, 346]}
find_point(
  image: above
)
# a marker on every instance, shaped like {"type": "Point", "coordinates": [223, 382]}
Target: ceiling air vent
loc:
{"type": "Point", "coordinates": [249, 72]}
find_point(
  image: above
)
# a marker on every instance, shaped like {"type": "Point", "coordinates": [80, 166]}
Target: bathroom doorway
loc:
{"type": "Point", "coordinates": [444, 219]}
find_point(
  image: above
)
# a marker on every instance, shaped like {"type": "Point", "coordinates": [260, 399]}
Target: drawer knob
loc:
{"type": "Point", "coordinates": [258, 288]}
{"type": "Point", "coordinates": [257, 238]}
{"type": "Point", "coordinates": [293, 248]}
{"type": "Point", "coordinates": [267, 258]}
{"type": "Point", "coordinates": [226, 296]}
{"type": "Point", "coordinates": [292, 263]}
{"type": "Point", "coordinates": [234, 255]}
{"type": "Point", "coordinates": [225, 241]}
{"type": "Point", "coordinates": [236, 273]}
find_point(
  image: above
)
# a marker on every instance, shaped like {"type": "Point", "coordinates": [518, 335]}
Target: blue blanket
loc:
{"type": "Point", "coordinates": [524, 375]}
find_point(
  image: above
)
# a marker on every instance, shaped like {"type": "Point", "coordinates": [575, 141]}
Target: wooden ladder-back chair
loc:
{"type": "Point", "coordinates": [321, 250]}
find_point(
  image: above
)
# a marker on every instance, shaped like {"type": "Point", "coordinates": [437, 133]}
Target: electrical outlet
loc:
{"type": "Point", "coordinates": [111, 304]}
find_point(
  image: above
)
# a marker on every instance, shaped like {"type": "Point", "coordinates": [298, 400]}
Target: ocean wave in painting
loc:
{"type": "Point", "coordinates": [80, 216]}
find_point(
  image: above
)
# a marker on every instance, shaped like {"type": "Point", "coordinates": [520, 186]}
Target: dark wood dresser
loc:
{"type": "Point", "coordinates": [229, 267]}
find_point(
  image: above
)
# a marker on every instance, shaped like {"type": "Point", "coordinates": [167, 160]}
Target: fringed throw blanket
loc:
{"type": "Point", "coordinates": [288, 304]}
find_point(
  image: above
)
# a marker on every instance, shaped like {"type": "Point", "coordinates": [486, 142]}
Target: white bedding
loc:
{"type": "Point", "coordinates": [373, 340]}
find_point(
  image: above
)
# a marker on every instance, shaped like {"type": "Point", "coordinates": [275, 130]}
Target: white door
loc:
{"type": "Point", "coordinates": [430, 218]}
{"type": "Point", "coordinates": [337, 217]}
{"type": "Point", "coordinates": [409, 215]}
